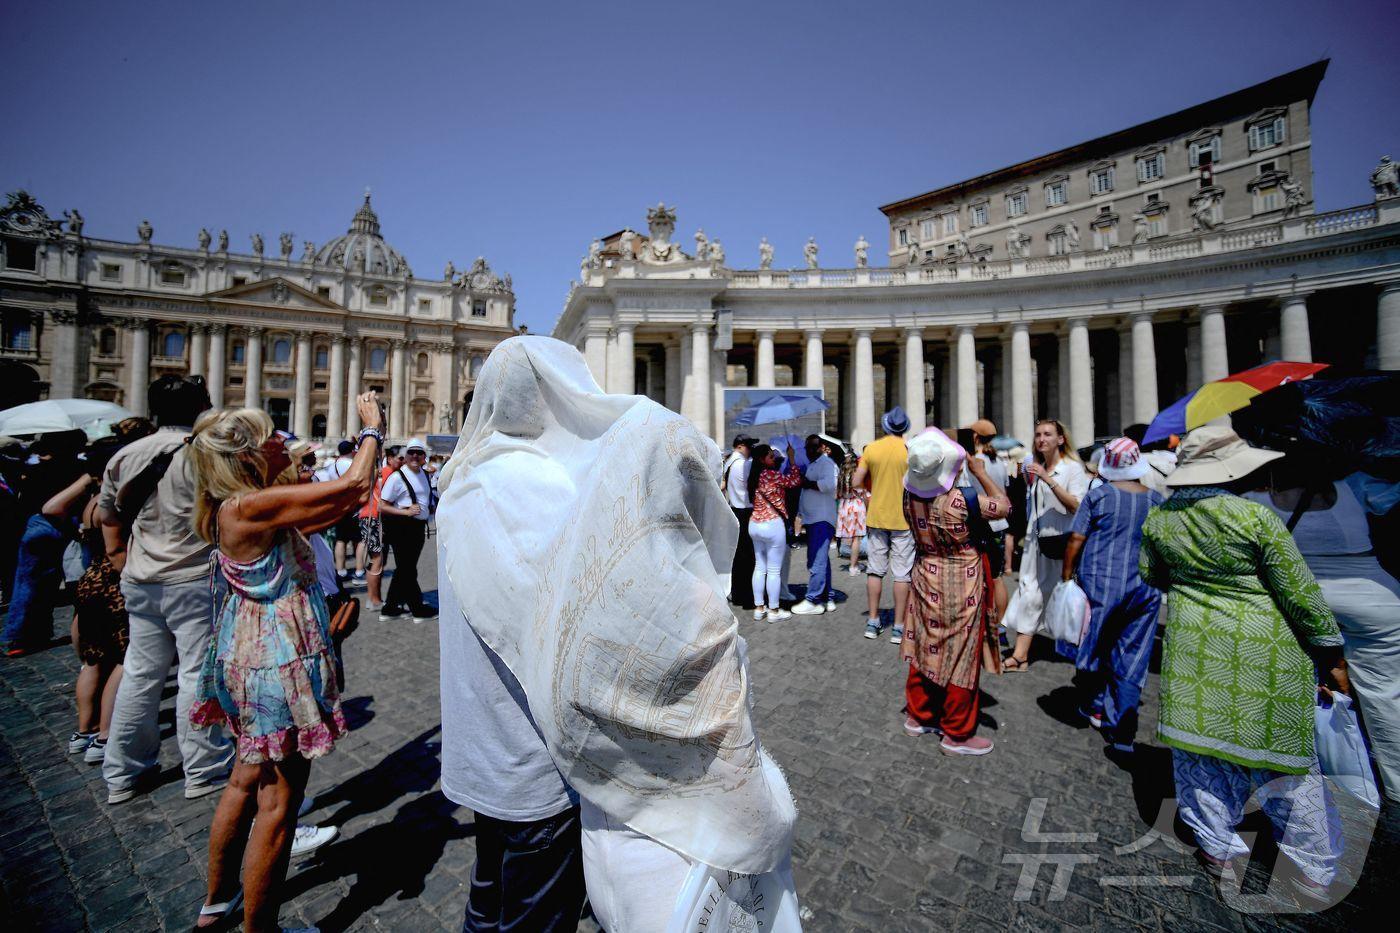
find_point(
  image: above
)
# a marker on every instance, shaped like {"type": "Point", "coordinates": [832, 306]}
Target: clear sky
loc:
{"type": "Point", "coordinates": [519, 131]}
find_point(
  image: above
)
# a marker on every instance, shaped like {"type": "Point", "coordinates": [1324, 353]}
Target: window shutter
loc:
{"type": "Point", "coordinates": [1278, 131]}
{"type": "Point", "coordinates": [1253, 138]}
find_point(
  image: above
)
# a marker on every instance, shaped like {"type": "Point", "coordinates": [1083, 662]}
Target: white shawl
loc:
{"type": "Point", "coordinates": [585, 538]}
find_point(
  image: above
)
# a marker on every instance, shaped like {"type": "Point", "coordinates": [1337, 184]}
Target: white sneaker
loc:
{"type": "Point", "coordinates": [96, 752]}
{"type": "Point", "coordinates": [778, 615]}
{"type": "Point", "coordinates": [205, 788]}
{"type": "Point", "coordinates": [759, 615]}
{"type": "Point", "coordinates": [805, 608]}
{"type": "Point", "coordinates": [80, 741]}
{"type": "Point", "coordinates": [831, 605]}
{"type": "Point", "coordinates": [310, 838]}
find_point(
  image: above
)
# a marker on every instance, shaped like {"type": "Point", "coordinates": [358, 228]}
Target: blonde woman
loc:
{"type": "Point", "coordinates": [1055, 481]}
{"type": "Point", "coordinates": [269, 675]}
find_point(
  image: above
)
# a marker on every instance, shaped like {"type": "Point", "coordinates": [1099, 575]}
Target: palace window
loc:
{"type": "Point", "coordinates": [902, 236]}
{"type": "Point", "coordinates": [1056, 193]}
{"type": "Point", "coordinates": [318, 425]}
{"type": "Point", "coordinates": [323, 357]}
{"type": "Point", "coordinates": [1267, 198]}
{"type": "Point", "coordinates": [235, 380]}
{"type": "Point", "coordinates": [172, 275]}
{"type": "Point", "coordinates": [1153, 167]}
{"type": "Point", "coordinates": [950, 224]}
{"type": "Point", "coordinates": [318, 386]}
{"type": "Point", "coordinates": [1266, 134]}
{"type": "Point", "coordinates": [111, 272]}
{"type": "Point", "coordinates": [928, 229]}
{"type": "Point", "coordinates": [1157, 226]}
{"type": "Point", "coordinates": [240, 353]}
{"type": "Point", "coordinates": [1204, 151]}
{"type": "Point", "coordinates": [379, 297]}
{"type": "Point", "coordinates": [977, 214]}
{"type": "Point", "coordinates": [281, 350]}
{"type": "Point", "coordinates": [1016, 204]}
{"type": "Point", "coordinates": [172, 345]}
{"type": "Point", "coordinates": [477, 362]}
{"type": "Point", "coordinates": [238, 280]}
{"type": "Point", "coordinates": [1106, 236]}
{"type": "Point", "coordinates": [378, 360]}
{"type": "Point", "coordinates": [22, 255]}
{"type": "Point", "coordinates": [421, 364]}
{"type": "Point", "coordinates": [324, 291]}
{"type": "Point", "coordinates": [1059, 242]}
{"type": "Point", "coordinates": [425, 306]}
{"type": "Point", "coordinates": [478, 309]}
{"type": "Point", "coordinates": [18, 334]}
{"type": "Point", "coordinates": [1101, 180]}
{"type": "Point", "coordinates": [107, 342]}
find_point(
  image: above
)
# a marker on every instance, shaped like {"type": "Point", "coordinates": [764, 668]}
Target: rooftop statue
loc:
{"type": "Point", "coordinates": [765, 253]}
{"type": "Point", "coordinates": [809, 252]}
{"type": "Point", "coordinates": [862, 252]}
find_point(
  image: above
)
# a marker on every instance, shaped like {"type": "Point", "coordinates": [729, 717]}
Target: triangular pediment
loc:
{"type": "Point", "coordinates": [274, 292]}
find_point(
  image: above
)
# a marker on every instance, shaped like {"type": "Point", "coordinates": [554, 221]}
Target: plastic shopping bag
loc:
{"type": "Point", "coordinates": [713, 899]}
{"type": "Point", "coordinates": [1341, 750]}
{"type": "Point", "coordinates": [1067, 612]}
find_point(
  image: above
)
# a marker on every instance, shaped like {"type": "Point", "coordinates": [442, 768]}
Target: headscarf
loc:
{"type": "Point", "coordinates": [586, 539]}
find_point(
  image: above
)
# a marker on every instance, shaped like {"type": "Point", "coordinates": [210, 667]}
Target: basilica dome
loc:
{"type": "Point", "coordinates": [362, 249]}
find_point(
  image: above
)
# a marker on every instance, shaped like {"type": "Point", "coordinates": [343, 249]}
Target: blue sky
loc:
{"type": "Point", "coordinates": [519, 131]}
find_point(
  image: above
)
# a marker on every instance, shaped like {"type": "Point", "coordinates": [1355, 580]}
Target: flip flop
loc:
{"type": "Point", "coordinates": [1014, 665]}
{"type": "Point", "coordinates": [219, 911]}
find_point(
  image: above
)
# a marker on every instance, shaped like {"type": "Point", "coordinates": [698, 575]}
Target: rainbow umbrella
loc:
{"type": "Point", "coordinates": [1223, 396]}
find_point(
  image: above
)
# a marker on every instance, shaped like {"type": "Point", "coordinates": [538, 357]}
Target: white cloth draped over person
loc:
{"type": "Point", "coordinates": [585, 538]}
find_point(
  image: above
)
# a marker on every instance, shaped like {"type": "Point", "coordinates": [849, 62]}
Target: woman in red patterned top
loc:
{"type": "Point", "coordinates": [768, 488]}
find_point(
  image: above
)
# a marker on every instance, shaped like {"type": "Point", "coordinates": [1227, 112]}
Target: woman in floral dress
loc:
{"type": "Point", "coordinates": [850, 513]}
{"type": "Point", "coordinates": [951, 616]}
{"type": "Point", "coordinates": [269, 676]}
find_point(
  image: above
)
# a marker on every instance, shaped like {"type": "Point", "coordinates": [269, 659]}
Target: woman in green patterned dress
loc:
{"type": "Point", "coordinates": [1247, 628]}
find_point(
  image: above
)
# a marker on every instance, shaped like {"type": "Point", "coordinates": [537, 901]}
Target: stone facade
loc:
{"type": "Point", "coordinates": [298, 335]}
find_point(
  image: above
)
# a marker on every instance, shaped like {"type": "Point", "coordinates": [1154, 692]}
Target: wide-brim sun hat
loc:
{"type": "Point", "coordinates": [1121, 459]}
{"type": "Point", "coordinates": [1214, 454]}
{"type": "Point", "coordinates": [935, 461]}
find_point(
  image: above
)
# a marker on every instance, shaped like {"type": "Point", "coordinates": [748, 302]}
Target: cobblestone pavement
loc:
{"type": "Point", "coordinates": [891, 834]}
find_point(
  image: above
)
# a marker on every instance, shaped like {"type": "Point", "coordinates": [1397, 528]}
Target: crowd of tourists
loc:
{"type": "Point", "coordinates": [604, 744]}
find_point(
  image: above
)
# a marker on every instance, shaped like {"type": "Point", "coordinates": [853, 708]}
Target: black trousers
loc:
{"type": "Point", "coordinates": [741, 575]}
{"type": "Point", "coordinates": [406, 537]}
{"type": "Point", "coordinates": [527, 876]}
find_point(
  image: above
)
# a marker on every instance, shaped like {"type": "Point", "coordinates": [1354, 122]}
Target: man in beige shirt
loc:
{"type": "Point", "coordinates": [165, 581]}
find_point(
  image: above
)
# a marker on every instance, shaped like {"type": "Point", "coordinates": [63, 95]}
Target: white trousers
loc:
{"type": "Point", "coordinates": [769, 549]}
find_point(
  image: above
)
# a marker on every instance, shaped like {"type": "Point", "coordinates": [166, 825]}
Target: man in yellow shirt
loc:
{"type": "Point", "coordinates": [890, 543]}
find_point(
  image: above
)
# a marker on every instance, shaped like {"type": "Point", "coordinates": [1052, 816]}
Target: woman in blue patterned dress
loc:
{"type": "Point", "coordinates": [1102, 554]}
{"type": "Point", "coordinates": [269, 676]}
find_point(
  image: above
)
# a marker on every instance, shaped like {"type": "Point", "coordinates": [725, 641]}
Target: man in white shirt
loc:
{"type": "Point", "coordinates": [735, 484]}
{"type": "Point", "coordinates": [817, 508]}
{"type": "Point", "coordinates": [406, 501]}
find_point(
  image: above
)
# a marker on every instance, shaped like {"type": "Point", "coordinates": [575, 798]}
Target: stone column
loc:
{"type": "Point", "coordinates": [864, 394]}
{"type": "Point", "coordinates": [595, 353]}
{"type": "Point", "coordinates": [912, 364]}
{"type": "Point", "coordinates": [719, 364]}
{"type": "Point", "coordinates": [335, 389]}
{"type": "Point", "coordinates": [1193, 355]}
{"type": "Point", "coordinates": [140, 365]}
{"type": "Point", "coordinates": [1144, 369]}
{"type": "Point", "coordinates": [611, 386]}
{"type": "Point", "coordinates": [763, 356]}
{"type": "Point", "coordinates": [1062, 379]}
{"type": "Point", "coordinates": [218, 357]}
{"type": "Point", "coordinates": [699, 393]}
{"type": "Point", "coordinates": [252, 368]}
{"type": "Point", "coordinates": [675, 379]}
{"type": "Point", "coordinates": [1125, 374]}
{"type": "Point", "coordinates": [67, 376]}
{"type": "Point", "coordinates": [967, 376]}
{"type": "Point", "coordinates": [1007, 415]}
{"type": "Point", "coordinates": [813, 365]}
{"type": "Point", "coordinates": [1388, 326]}
{"type": "Point", "coordinates": [626, 381]}
{"type": "Point", "coordinates": [354, 385]}
{"type": "Point", "coordinates": [1215, 353]}
{"type": "Point", "coordinates": [1081, 385]}
{"type": "Point", "coordinates": [199, 349]}
{"type": "Point", "coordinates": [398, 390]}
{"type": "Point", "coordinates": [301, 406]}
{"type": "Point", "coordinates": [1293, 322]}
{"type": "Point", "coordinates": [1022, 408]}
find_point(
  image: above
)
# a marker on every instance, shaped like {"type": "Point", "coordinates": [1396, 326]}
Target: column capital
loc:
{"type": "Point", "coordinates": [1213, 308]}
{"type": "Point", "coordinates": [63, 315]}
{"type": "Point", "coordinates": [199, 327]}
{"type": "Point", "coordinates": [961, 329]}
{"type": "Point", "coordinates": [765, 332]}
{"type": "Point", "coordinates": [1079, 320]}
{"type": "Point", "coordinates": [217, 327]}
{"type": "Point", "coordinates": [1302, 295]}
{"type": "Point", "coordinates": [339, 339]}
{"type": "Point", "coordinates": [858, 332]}
{"type": "Point", "coordinates": [247, 330]}
{"type": "Point", "coordinates": [398, 343]}
{"type": "Point", "coordinates": [303, 336]}
{"type": "Point", "coordinates": [355, 340]}
{"type": "Point", "coordinates": [810, 332]}
{"type": "Point", "coordinates": [135, 323]}
{"type": "Point", "coordinates": [620, 326]}
{"type": "Point", "coordinates": [1389, 288]}
{"type": "Point", "coordinates": [1141, 314]}
{"type": "Point", "coordinates": [1018, 326]}
{"type": "Point", "coordinates": [913, 330]}
{"type": "Point", "coordinates": [700, 327]}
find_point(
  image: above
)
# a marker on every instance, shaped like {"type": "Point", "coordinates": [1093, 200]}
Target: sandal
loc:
{"type": "Point", "coordinates": [1014, 665]}
{"type": "Point", "coordinates": [219, 912]}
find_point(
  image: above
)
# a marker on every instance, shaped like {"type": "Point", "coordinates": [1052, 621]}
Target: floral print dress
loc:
{"type": "Point", "coordinates": [270, 672]}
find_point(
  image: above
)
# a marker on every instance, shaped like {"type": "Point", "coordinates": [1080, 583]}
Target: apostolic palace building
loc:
{"type": "Point", "coordinates": [1093, 283]}
{"type": "Point", "coordinates": [298, 335]}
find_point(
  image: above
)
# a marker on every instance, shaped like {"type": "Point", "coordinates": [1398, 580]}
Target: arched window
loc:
{"type": "Point", "coordinates": [281, 350]}
{"type": "Point", "coordinates": [240, 352]}
{"type": "Point", "coordinates": [318, 425]}
{"type": "Point", "coordinates": [421, 364]}
{"type": "Point", "coordinates": [172, 344]}
{"type": "Point", "coordinates": [323, 357]}
{"type": "Point", "coordinates": [378, 359]}
{"type": "Point", "coordinates": [107, 342]}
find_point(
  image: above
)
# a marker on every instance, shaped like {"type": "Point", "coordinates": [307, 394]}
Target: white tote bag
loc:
{"type": "Point", "coordinates": [1341, 750]}
{"type": "Point", "coordinates": [713, 899]}
{"type": "Point", "coordinates": [1067, 612]}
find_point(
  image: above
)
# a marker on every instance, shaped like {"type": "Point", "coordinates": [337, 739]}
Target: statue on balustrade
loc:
{"type": "Point", "coordinates": [661, 223]}
{"type": "Point", "coordinates": [144, 231]}
{"type": "Point", "coordinates": [450, 272]}
{"type": "Point", "coordinates": [716, 252]}
{"type": "Point", "coordinates": [257, 244]}
{"type": "Point", "coordinates": [205, 238]}
{"type": "Point", "coordinates": [809, 252]}
{"type": "Point", "coordinates": [223, 241]}
{"type": "Point", "coordinates": [702, 245]}
{"type": "Point", "coordinates": [913, 257]}
{"type": "Point", "coordinates": [1386, 179]}
{"type": "Point", "coordinates": [765, 253]}
{"type": "Point", "coordinates": [1139, 227]}
{"type": "Point", "coordinates": [75, 222]}
{"type": "Point", "coordinates": [308, 252]}
{"type": "Point", "coordinates": [595, 254]}
{"type": "Point", "coordinates": [964, 246]}
{"type": "Point", "coordinates": [284, 243]}
{"type": "Point", "coordinates": [862, 252]}
{"type": "Point", "coordinates": [1203, 211]}
{"type": "Point", "coordinates": [1293, 198]}
{"type": "Point", "coordinates": [627, 244]}
{"type": "Point", "coordinates": [1015, 246]}
{"type": "Point", "coordinates": [1072, 234]}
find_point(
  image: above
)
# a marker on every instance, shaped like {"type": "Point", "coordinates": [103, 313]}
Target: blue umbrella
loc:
{"type": "Point", "coordinates": [780, 407]}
